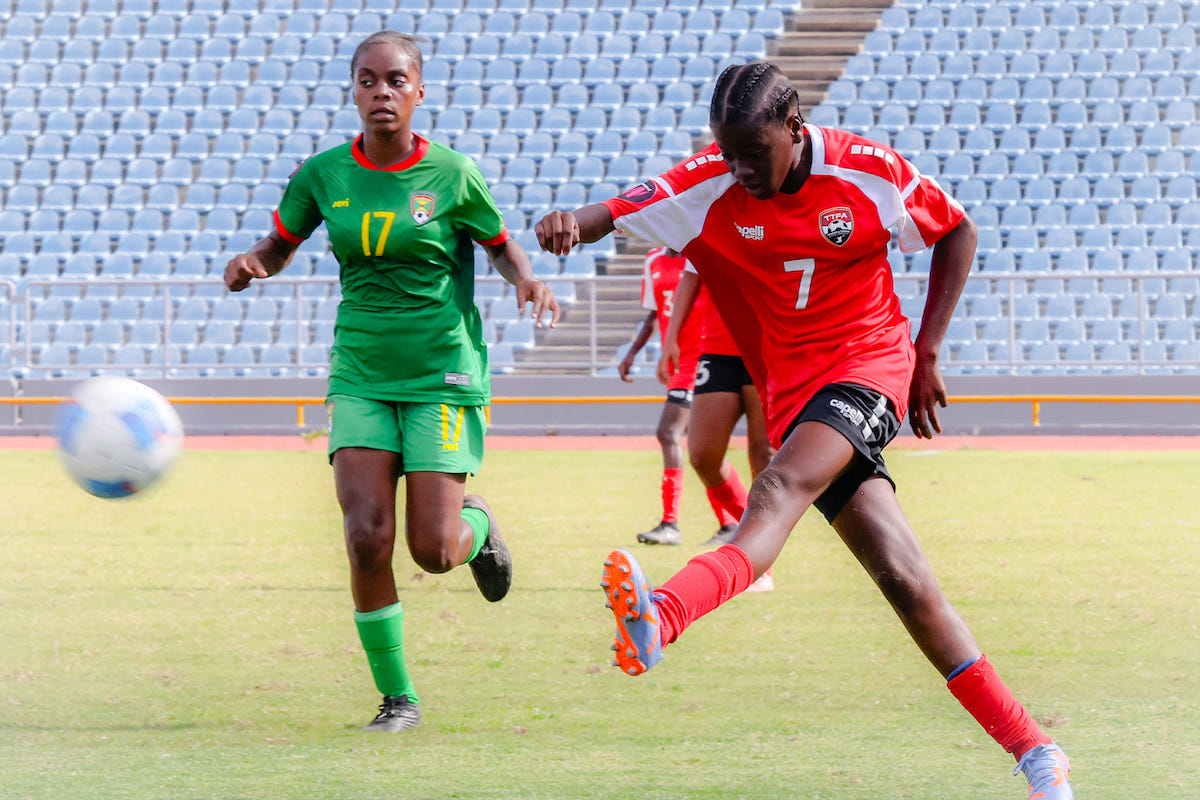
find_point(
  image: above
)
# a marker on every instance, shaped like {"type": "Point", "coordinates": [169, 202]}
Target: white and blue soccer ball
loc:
{"type": "Point", "coordinates": [116, 436]}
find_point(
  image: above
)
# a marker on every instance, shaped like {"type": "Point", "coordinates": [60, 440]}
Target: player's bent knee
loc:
{"type": "Point", "coordinates": [432, 555]}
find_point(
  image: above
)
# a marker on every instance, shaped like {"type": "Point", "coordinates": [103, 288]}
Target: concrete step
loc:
{"type": "Point", "coordinates": [821, 43]}
{"type": "Point", "coordinates": [811, 20]}
{"type": "Point", "coordinates": [818, 69]}
{"type": "Point", "coordinates": [846, 5]}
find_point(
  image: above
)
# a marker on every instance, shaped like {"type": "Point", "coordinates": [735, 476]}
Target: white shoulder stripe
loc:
{"type": "Point", "coordinates": [885, 195]}
{"type": "Point", "coordinates": [677, 219]}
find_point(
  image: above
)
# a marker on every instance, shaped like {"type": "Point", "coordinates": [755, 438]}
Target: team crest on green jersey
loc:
{"type": "Point", "coordinates": [421, 206]}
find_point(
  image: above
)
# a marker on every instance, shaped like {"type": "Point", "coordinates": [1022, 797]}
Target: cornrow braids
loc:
{"type": "Point", "coordinates": [753, 93]}
{"type": "Point", "coordinates": [402, 40]}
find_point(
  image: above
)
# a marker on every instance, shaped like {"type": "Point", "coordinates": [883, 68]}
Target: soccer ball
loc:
{"type": "Point", "coordinates": [117, 436]}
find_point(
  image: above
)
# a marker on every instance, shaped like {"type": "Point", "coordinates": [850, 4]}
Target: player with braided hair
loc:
{"type": "Point", "coordinates": [787, 225]}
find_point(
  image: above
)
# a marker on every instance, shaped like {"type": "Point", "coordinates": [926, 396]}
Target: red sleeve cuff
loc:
{"type": "Point", "coordinates": [284, 232]}
{"type": "Point", "coordinates": [500, 239]}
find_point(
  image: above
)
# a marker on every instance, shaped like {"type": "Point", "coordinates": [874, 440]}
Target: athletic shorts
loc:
{"type": "Point", "coordinates": [680, 397]}
{"type": "Point", "coordinates": [430, 437]}
{"type": "Point", "coordinates": [716, 373]}
{"type": "Point", "coordinates": [868, 421]}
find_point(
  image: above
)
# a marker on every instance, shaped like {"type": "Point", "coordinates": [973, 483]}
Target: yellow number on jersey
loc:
{"type": "Point", "coordinates": [387, 217]}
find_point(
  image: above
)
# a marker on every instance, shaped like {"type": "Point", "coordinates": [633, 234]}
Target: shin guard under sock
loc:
{"type": "Point", "coordinates": [704, 583]}
{"type": "Point", "coordinates": [380, 632]}
{"type": "Point", "coordinates": [672, 491]}
{"type": "Point", "coordinates": [993, 706]}
{"type": "Point", "coordinates": [728, 500]}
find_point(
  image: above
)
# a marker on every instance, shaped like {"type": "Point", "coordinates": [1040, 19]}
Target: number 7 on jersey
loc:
{"type": "Point", "coordinates": [806, 267]}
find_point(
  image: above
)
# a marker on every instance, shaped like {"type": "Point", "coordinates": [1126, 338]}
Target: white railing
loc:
{"type": "Point", "coordinates": [24, 354]}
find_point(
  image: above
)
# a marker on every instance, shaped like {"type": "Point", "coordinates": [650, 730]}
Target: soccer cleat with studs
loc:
{"type": "Point", "coordinates": [638, 644]}
{"type": "Point", "coordinates": [1048, 771]}
{"type": "Point", "coordinates": [395, 714]}
{"type": "Point", "coordinates": [492, 565]}
{"type": "Point", "coordinates": [664, 533]}
{"type": "Point", "coordinates": [724, 535]}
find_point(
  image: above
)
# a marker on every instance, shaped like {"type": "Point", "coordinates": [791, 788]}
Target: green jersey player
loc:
{"type": "Point", "coordinates": [409, 384]}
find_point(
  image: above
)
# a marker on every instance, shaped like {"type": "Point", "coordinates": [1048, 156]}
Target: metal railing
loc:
{"type": "Point", "coordinates": [298, 404]}
{"type": "Point", "coordinates": [24, 354]}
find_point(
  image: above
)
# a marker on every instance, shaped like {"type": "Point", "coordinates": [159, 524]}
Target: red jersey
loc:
{"type": "Point", "coordinates": [715, 340]}
{"type": "Point", "coordinates": [660, 277]}
{"type": "Point", "coordinates": [802, 280]}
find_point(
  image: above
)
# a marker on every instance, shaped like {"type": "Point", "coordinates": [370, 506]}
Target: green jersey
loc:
{"type": "Point", "coordinates": [407, 327]}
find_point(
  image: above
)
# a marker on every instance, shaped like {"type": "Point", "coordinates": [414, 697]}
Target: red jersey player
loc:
{"type": "Point", "coordinates": [660, 276]}
{"type": "Point", "coordinates": [787, 225]}
{"type": "Point", "coordinates": [724, 393]}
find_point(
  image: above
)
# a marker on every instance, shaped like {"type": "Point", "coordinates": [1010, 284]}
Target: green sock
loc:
{"type": "Point", "coordinates": [479, 526]}
{"type": "Point", "coordinates": [382, 638]}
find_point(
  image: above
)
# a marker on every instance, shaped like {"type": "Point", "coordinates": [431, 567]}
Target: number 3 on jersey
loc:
{"type": "Point", "coordinates": [806, 267]}
{"type": "Point", "coordinates": [387, 217]}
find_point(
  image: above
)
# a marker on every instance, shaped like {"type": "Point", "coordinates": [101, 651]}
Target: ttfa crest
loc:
{"type": "Point", "coordinates": [421, 206]}
{"type": "Point", "coordinates": [837, 224]}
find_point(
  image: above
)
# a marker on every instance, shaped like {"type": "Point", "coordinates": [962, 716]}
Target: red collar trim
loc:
{"type": "Point", "coordinates": [417, 155]}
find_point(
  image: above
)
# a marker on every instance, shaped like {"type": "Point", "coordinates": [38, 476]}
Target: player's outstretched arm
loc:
{"type": "Point", "coordinates": [267, 257]}
{"type": "Point", "coordinates": [559, 231]}
{"type": "Point", "coordinates": [512, 262]}
{"type": "Point", "coordinates": [951, 263]}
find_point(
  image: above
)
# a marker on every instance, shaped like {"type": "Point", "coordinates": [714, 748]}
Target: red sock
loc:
{"type": "Point", "coordinates": [993, 706]}
{"type": "Point", "coordinates": [672, 490]}
{"type": "Point", "coordinates": [728, 500]}
{"type": "Point", "coordinates": [704, 583]}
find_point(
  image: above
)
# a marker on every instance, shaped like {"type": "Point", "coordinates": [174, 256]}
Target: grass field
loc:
{"type": "Point", "coordinates": [197, 642]}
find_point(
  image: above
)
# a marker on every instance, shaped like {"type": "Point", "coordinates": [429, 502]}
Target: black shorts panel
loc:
{"type": "Point", "coordinates": [868, 421]}
{"type": "Point", "coordinates": [716, 373]}
{"type": "Point", "coordinates": [680, 397]}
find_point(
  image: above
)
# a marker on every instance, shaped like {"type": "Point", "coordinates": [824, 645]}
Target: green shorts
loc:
{"type": "Point", "coordinates": [430, 437]}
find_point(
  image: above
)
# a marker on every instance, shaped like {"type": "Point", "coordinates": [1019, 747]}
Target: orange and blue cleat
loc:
{"type": "Point", "coordinates": [1048, 770]}
{"type": "Point", "coordinates": [638, 645]}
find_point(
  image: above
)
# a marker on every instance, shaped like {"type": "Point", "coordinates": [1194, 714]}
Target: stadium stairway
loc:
{"type": "Point", "coordinates": [818, 39]}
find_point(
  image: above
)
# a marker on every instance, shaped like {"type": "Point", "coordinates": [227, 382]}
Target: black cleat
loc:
{"type": "Point", "coordinates": [395, 714]}
{"type": "Point", "coordinates": [492, 566]}
{"type": "Point", "coordinates": [665, 533]}
{"type": "Point", "coordinates": [724, 535]}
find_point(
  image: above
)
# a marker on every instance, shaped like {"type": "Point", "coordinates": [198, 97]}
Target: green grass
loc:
{"type": "Point", "coordinates": [197, 642]}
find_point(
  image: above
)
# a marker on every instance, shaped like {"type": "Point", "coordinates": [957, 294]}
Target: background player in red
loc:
{"type": "Point", "coordinates": [788, 226]}
{"type": "Point", "coordinates": [724, 393]}
{"type": "Point", "coordinates": [660, 276]}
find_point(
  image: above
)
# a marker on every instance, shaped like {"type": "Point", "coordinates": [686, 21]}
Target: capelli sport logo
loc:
{"type": "Point", "coordinates": [837, 224]}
